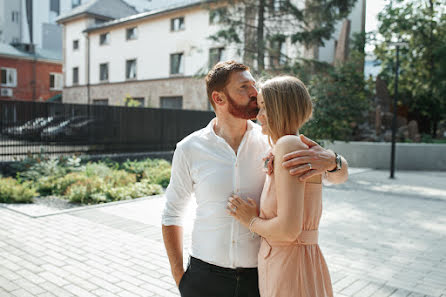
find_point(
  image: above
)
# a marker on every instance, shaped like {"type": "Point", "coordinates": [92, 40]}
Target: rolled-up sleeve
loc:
{"type": "Point", "coordinates": [179, 192]}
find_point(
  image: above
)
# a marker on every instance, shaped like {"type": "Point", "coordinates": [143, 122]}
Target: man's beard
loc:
{"type": "Point", "coordinates": [247, 112]}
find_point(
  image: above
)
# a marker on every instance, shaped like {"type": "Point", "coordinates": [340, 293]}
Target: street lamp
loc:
{"type": "Point", "coordinates": [395, 100]}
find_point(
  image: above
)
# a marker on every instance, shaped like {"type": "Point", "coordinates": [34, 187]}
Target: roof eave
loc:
{"type": "Point", "coordinates": [143, 16]}
{"type": "Point", "coordinates": [80, 15]}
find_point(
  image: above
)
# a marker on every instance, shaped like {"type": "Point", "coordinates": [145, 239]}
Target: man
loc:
{"type": "Point", "coordinates": [213, 163]}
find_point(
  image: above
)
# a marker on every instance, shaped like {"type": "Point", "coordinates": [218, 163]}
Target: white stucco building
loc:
{"type": "Point", "coordinates": [112, 52]}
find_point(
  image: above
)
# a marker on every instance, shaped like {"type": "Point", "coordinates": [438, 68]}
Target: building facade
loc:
{"type": "Point", "coordinates": [29, 77]}
{"type": "Point", "coordinates": [46, 33]}
{"type": "Point", "coordinates": [156, 57]}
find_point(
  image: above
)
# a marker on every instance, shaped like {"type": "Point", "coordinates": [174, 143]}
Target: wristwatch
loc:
{"type": "Point", "coordinates": [338, 163]}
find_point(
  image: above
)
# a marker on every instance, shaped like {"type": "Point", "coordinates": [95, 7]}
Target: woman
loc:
{"type": "Point", "coordinates": [290, 262]}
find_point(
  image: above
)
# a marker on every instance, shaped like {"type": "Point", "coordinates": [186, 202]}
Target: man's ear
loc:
{"type": "Point", "coordinates": [218, 97]}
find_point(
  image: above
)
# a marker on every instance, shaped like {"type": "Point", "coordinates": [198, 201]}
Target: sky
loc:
{"type": "Point", "coordinates": [373, 7]}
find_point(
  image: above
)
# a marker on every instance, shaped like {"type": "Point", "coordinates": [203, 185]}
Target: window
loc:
{"type": "Point", "coordinates": [130, 69]}
{"type": "Point", "coordinates": [75, 75]}
{"type": "Point", "coordinates": [100, 101]}
{"type": "Point", "coordinates": [276, 55]}
{"type": "Point", "coordinates": [277, 5]}
{"type": "Point", "coordinates": [75, 44]}
{"type": "Point", "coordinates": [216, 16]}
{"type": "Point", "coordinates": [103, 72]}
{"type": "Point", "coordinates": [15, 17]}
{"type": "Point", "coordinates": [104, 38]}
{"type": "Point", "coordinates": [75, 3]}
{"type": "Point", "coordinates": [134, 102]}
{"type": "Point", "coordinates": [177, 24]}
{"type": "Point", "coordinates": [171, 102]}
{"type": "Point", "coordinates": [176, 63]}
{"type": "Point", "coordinates": [55, 6]}
{"type": "Point", "coordinates": [9, 77]}
{"type": "Point", "coordinates": [215, 55]}
{"type": "Point", "coordinates": [56, 80]}
{"type": "Point", "coordinates": [131, 33]}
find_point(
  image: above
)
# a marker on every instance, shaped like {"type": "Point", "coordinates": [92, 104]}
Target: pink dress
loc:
{"type": "Point", "coordinates": [298, 268]}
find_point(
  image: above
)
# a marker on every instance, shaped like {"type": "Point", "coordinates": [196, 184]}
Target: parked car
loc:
{"type": "Point", "coordinates": [18, 130]}
{"type": "Point", "coordinates": [59, 131]}
{"type": "Point", "coordinates": [31, 130]}
{"type": "Point", "coordinates": [85, 130]}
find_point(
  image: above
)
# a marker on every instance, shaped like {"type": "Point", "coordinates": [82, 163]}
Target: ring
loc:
{"type": "Point", "coordinates": [234, 209]}
{"type": "Point", "coordinates": [309, 164]}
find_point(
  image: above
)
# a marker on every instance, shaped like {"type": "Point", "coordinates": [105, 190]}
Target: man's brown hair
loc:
{"type": "Point", "coordinates": [218, 76]}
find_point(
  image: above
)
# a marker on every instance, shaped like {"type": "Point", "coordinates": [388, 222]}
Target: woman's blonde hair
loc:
{"type": "Point", "coordinates": [288, 105]}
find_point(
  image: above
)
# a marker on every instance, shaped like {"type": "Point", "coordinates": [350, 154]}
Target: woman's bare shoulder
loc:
{"type": "Point", "coordinates": [289, 143]}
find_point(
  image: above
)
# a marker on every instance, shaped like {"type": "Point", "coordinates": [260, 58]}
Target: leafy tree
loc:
{"type": "Point", "coordinates": [340, 97]}
{"type": "Point", "coordinates": [422, 82]}
{"type": "Point", "coordinates": [259, 27]}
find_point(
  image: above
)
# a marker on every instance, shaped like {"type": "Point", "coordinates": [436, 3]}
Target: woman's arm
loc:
{"type": "Point", "coordinates": [290, 200]}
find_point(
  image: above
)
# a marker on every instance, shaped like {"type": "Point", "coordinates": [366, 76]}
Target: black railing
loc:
{"type": "Point", "coordinates": [57, 128]}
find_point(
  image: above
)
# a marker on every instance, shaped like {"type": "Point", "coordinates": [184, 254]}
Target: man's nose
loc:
{"type": "Point", "coordinates": [254, 91]}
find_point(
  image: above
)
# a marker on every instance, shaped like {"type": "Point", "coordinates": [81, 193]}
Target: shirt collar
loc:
{"type": "Point", "coordinates": [210, 127]}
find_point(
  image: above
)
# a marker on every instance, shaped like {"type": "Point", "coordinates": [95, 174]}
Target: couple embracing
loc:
{"type": "Point", "coordinates": [258, 190]}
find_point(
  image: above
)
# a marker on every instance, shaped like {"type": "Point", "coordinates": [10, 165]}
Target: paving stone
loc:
{"type": "Point", "coordinates": [380, 238]}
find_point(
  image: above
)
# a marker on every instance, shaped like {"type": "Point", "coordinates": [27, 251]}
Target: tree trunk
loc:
{"type": "Point", "coordinates": [260, 36]}
{"type": "Point", "coordinates": [249, 48]}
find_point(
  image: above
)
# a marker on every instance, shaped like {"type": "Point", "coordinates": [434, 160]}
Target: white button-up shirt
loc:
{"type": "Point", "coordinates": [205, 165]}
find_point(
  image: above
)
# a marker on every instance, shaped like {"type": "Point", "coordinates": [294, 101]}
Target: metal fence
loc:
{"type": "Point", "coordinates": [58, 128]}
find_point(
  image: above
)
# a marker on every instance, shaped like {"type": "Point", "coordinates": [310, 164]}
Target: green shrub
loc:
{"type": "Point", "coordinates": [97, 169]}
{"type": "Point", "coordinates": [61, 184]}
{"type": "Point", "coordinates": [160, 176]}
{"type": "Point", "coordinates": [11, 191]}
{"type": "Point", "coordinates": [118, 178]}
{"type": "Point", "coordinates": [48, 167]}
{"type": "Point", "coordinates": [45, 185]}
{"type": "Point", "coordinates": [82, 191]}
{"type": "Point", "coordinates": [136, 190]}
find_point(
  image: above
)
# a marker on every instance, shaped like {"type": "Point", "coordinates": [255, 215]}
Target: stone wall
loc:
{"type": "Point", "coordinates": [193, 91]}
{"type": "Point", "coordinates": [408, 156]}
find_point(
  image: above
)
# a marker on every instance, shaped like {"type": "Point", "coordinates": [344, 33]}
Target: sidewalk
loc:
{"type": "Point", "coordinates": [380, 237]}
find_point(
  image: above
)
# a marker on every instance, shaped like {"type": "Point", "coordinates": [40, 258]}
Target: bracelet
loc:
{"type": "Point", "coordinates": [253, 234]}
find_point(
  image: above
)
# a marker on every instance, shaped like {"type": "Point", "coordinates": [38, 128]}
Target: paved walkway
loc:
{"type": "Point", "coordinates": [380, 238]}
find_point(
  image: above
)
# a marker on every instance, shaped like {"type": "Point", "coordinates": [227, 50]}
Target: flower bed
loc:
{"type": "Point", "coordinates": [84, 182]}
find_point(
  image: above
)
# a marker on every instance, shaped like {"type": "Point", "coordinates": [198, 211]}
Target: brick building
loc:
{"type": "Point", "coordinates": [19, 69]}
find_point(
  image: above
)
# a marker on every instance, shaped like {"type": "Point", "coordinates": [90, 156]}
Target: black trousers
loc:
{"type": "Point", "coordinates": [202, 279]}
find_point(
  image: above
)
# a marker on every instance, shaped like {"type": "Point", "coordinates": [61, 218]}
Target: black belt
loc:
{"type": "Point", "coordinates": [212, 267]}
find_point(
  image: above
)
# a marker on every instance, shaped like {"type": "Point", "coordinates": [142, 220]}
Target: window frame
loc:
{"type": "Point", "coordinates": [107, 72]}
{"type": "Point", "coordinates": [8, 83]}
{"type": "Point", "coordinates": [105, 41]}
{"type": "Point", "coordinates": [221, 50]}
{"type": "Point", "coordinates": [73, 71]}
{"type": "Point", "coordinates": [163, 98]}
{"type": "Point", "coordinates": [76, 42]}
{"type": "Point", "coordinates": [182, 24]}
{"type": "Point", "coordinates": [75, 3]}
{"type": "Point", "coordinates": [129, 37]}
{"type": "Point", "coordinates": [127, 70]}
{"type": "Point", "coordinates": [101, 101]}
{"type": "Point", "coordinates": [181, 65]}
{"type": "Point", "coordinates": [58, 81]}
